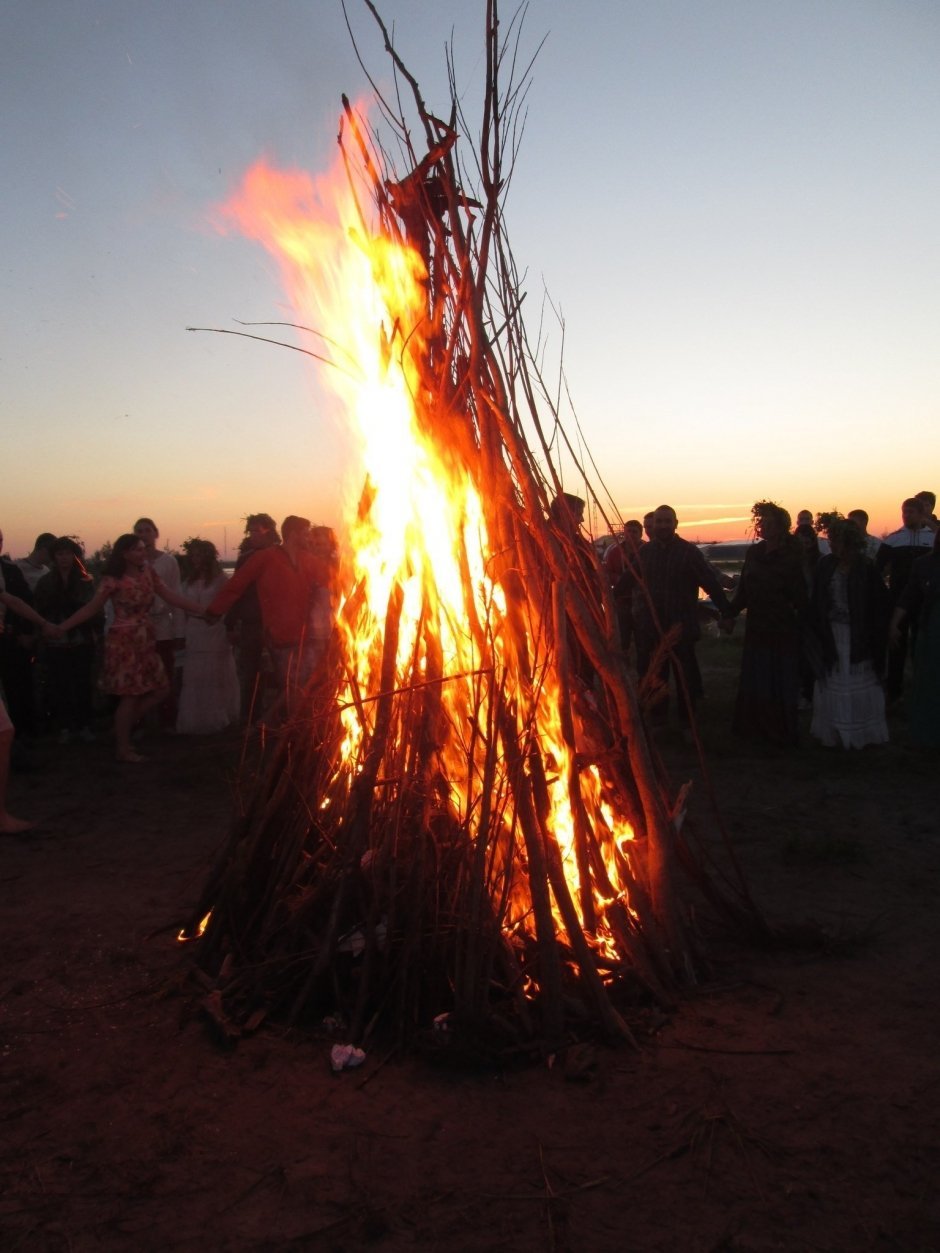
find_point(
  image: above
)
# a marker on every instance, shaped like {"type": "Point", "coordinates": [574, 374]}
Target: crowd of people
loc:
{"type": "Point", "coordinates": [831, 613]}
{"type": "Point", "coordinates": [157, 636]}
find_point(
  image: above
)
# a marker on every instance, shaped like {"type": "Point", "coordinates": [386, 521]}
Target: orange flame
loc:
{"type": "Point", "coordinates": [423, 530]}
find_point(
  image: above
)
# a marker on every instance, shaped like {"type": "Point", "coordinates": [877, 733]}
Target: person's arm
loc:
{"type": "Point", "coordinates": [176, 599]}
{"type": "Point", "coordinates": [243, 577]}
{"type": "Point", "coordinates": [708, 580]}
{"type": "Point", "coordinates": [94, 606]}
{"type": "Point", "coordinates": [170, 579]}
{"type": "Point", "coordinates": [20, 607]}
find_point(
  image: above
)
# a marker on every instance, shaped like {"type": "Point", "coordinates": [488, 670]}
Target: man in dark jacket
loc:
{"type": "Point", "coordinates": [893, 562]}
{"type": "Point", "coordinates": [18, 641]}
{"type": "Point", "coordinates": [672, 570]}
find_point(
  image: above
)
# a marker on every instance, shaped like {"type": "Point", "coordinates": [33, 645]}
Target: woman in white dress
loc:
{"type": "Point", "coordinates": [209, 700]}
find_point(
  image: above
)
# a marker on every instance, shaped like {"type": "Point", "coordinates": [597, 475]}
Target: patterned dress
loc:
{"type": "Point", "coordinates": [132, 666]}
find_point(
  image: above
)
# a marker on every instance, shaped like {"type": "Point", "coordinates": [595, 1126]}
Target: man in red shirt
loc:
{"type": "Point", "coordinates": [286, 578]}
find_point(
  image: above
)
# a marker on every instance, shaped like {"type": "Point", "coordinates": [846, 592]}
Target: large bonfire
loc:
{"type": "Point", "coordinates": [464, 816]}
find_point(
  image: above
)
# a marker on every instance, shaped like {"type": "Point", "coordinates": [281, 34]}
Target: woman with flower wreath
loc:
{"type": "Point", "coordinates": [772, 590]}
{"type": "Point", "coordinates": [850, 614]}
{"type": "Point", "coordinates": [210, 696]}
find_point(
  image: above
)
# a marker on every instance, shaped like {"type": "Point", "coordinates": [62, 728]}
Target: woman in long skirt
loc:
{"type": "Point", "coordinates": [210, 697]}
{"type": "Point", "coordinates": [772, 590]}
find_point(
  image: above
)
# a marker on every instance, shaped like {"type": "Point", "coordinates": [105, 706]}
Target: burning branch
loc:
{"type": "Point", "coordinates": [465, 815]}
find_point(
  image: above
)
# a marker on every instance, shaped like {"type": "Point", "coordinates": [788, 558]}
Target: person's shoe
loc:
{"type": "Point", "coordinates": [64, 737]}
{"type": "Point", "coordinates": [87, 736]}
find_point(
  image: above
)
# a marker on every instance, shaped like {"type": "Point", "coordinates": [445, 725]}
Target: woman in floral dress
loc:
{"type": "Point", "coordinates": [132, 668]}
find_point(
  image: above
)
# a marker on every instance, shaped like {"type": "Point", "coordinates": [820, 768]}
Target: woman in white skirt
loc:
{"type": "Point", "coordinates": [210, 697]}
{"type": "Point", "coordinates": [850, 612]}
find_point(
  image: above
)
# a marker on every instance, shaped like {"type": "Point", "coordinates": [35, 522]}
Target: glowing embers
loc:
{"type": "Point", "coordinates": [187, 937]}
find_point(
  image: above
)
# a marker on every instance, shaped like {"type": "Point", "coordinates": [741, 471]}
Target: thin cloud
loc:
{"type": "Point", "coordinates": [714, 521]}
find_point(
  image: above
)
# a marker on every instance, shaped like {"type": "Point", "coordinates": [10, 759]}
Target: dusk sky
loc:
{"type": "Point", "coordinates": [735, 204]}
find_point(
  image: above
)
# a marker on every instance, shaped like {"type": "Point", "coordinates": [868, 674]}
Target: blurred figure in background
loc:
{"type": "Point", "coordinates": [567, 513]}
{"type": "Point", "coordinates": [773, 591]}
{"type": "Point", "coordinates": [849, 610]}
{"type": "Point", "coordinates": [920, 601]}
{"type": "Point", "coordinates": [872, 542]}
{"type": "Point", "coordinates": [18, 642]}
{"type": "Point", "coordinates": [621, 563]}
{"type": "Point", "coordinates": [895, 558]}
{"type": "Point", "coordinates": [11, 603]}
{"type": "Point", "coordinates": [929, 502]}
{"type": "Point", "coordinates": [810, 657]}
{"type": "Point", "coordinates": [209, 697]}
{"type": "Point", "coordinates": [167, 621]}
{"type": "Point", "coordinates": [672, 571]}
{"type": "Point", "coordinates": [285, 576]}
{"type": "Point", "coordinates": [36, 564]}
{"type": "Point", "coordinates": [71, 657]}
{"type": "Point", "coordinates": [322, 606]}
{"type": "Point", "coordinates": [244, 620]}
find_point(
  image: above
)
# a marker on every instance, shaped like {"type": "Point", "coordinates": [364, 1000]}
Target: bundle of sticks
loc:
{"type": "Point", "coordinates": [496, 841]}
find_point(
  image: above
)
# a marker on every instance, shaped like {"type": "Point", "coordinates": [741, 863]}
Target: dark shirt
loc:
{"type": "Point", "coordinates": [867, 602]}
{"type": "Point", "coordinates": [921, 594]}
{"type": "Point", "coordinates": [16, 585]}
{"type": "Point", "coordinates": [773, 590]}
{"type": "Point", "coordinates": [622, 564]}
{"type": "Point", "coordinates": [57, 600]}
{"type": "Point", "coordinates": [672, 574]}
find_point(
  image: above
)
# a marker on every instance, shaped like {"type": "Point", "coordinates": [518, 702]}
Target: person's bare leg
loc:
{"type": "Point", "coordinates": [125, 719]}
{"type": "Point", "coordinates": [9, 825]}
{"type": "Point", "coordinates": [129, 712]}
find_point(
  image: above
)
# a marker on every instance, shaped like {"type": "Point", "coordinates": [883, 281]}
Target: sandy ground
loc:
{"type": "Point", "coordinates": [792, 1103]}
